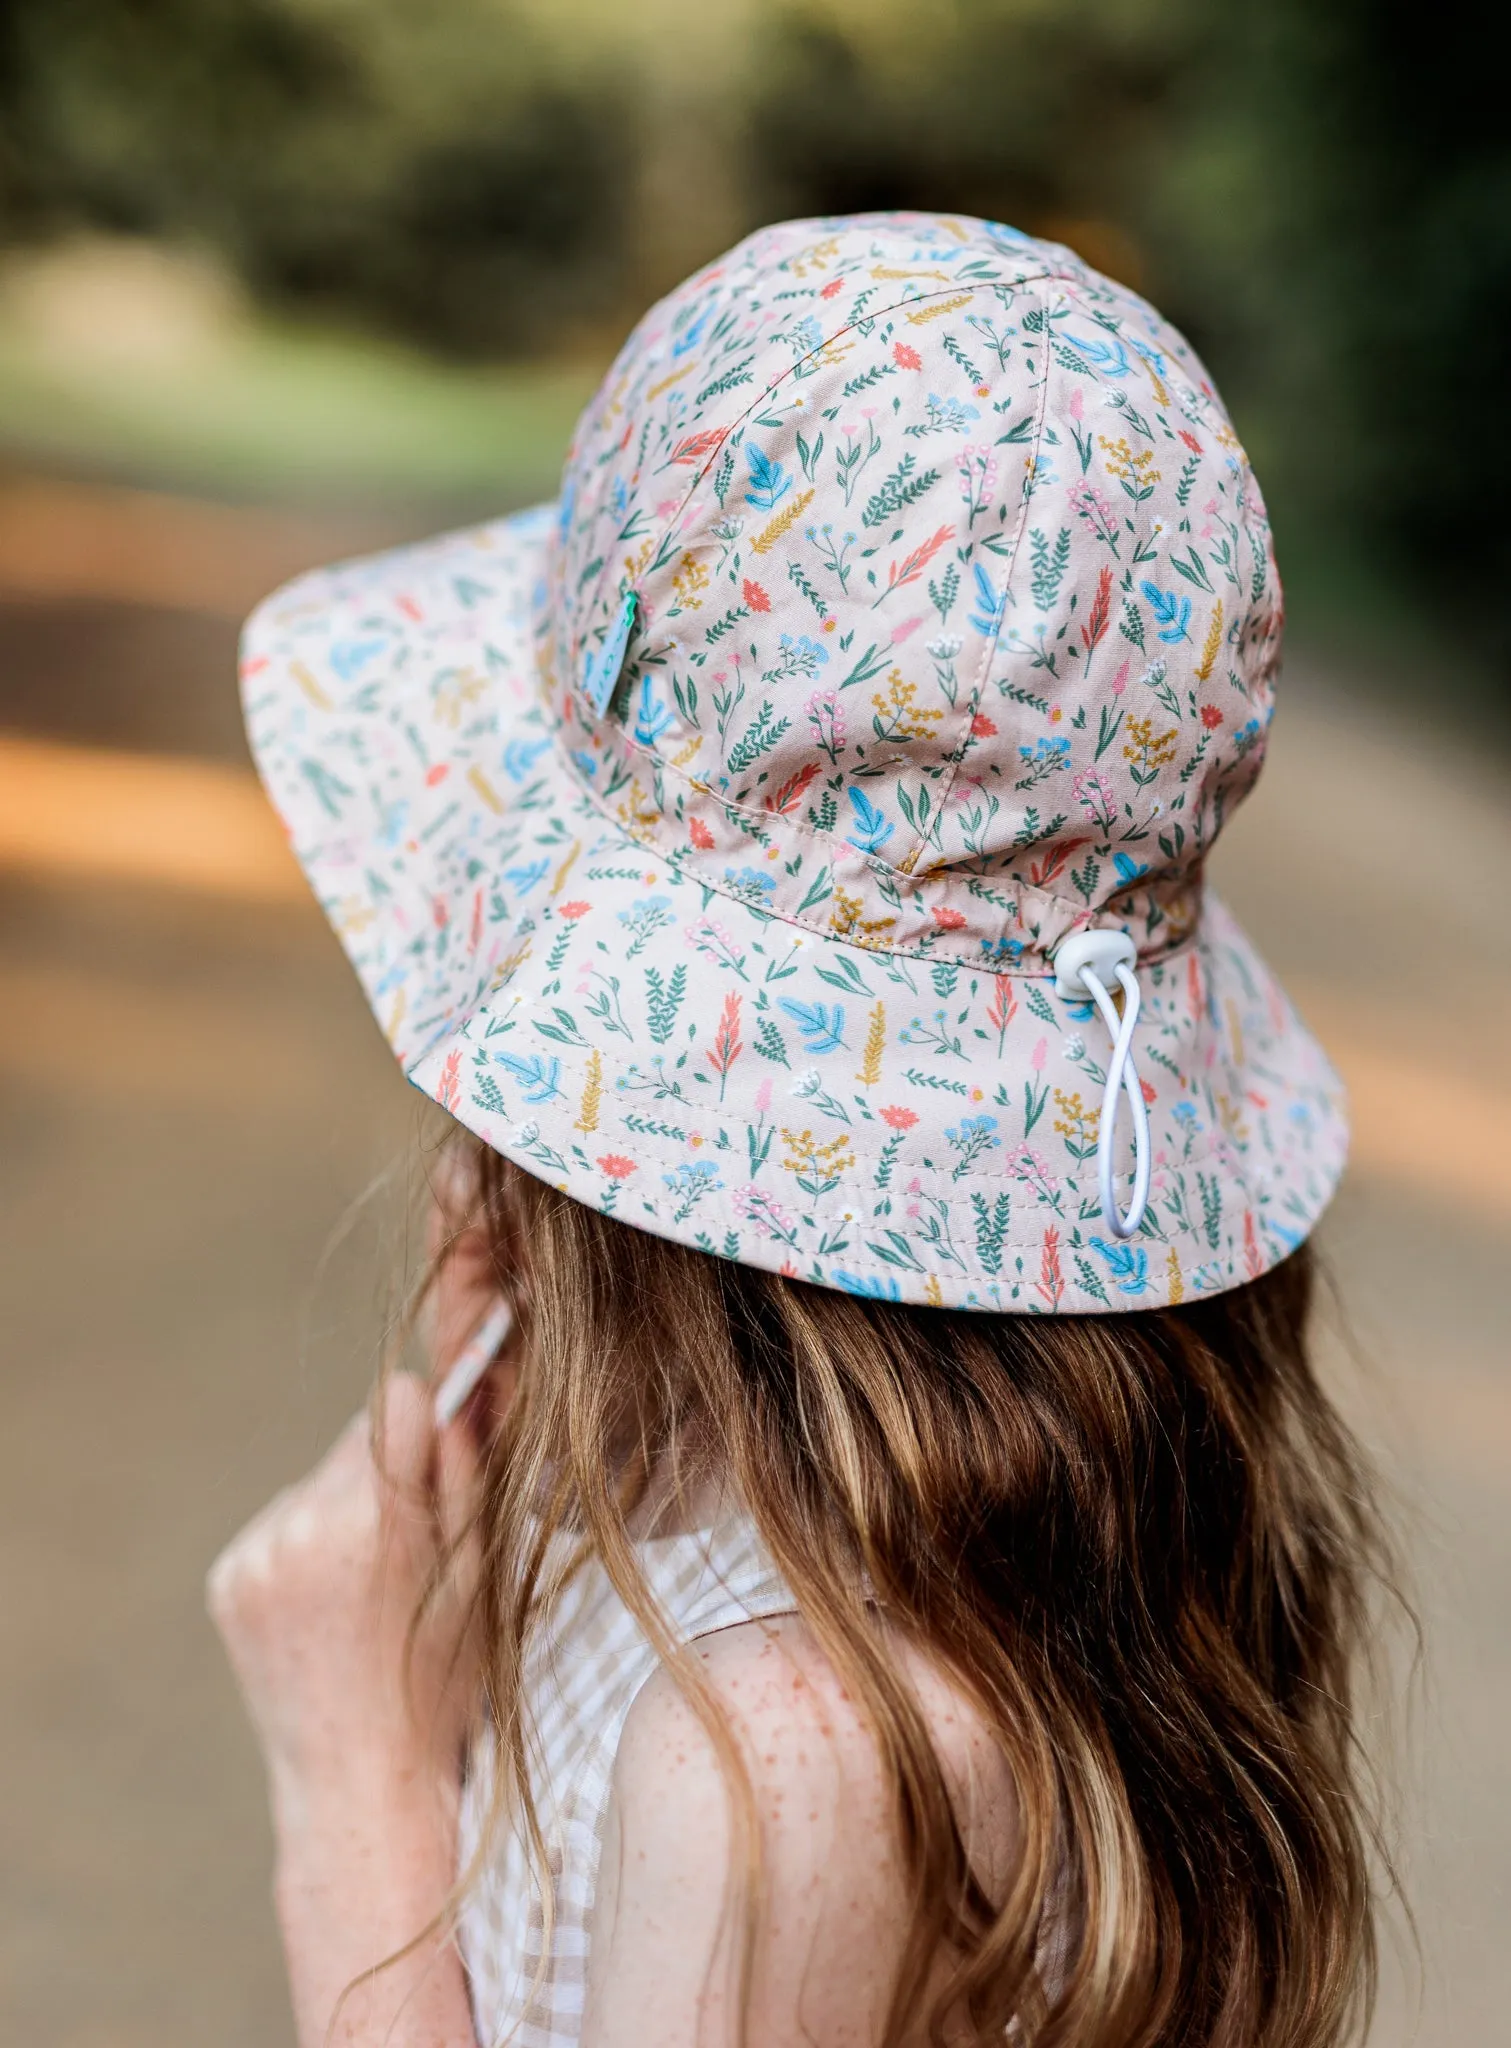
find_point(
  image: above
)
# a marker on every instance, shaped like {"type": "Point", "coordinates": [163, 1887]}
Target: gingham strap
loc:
{"type": "Point", "coordinates": [527, 1990]}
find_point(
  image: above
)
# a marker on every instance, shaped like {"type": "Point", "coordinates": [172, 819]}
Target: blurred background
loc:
{"type": "Point", "coordinates": [286, 279]}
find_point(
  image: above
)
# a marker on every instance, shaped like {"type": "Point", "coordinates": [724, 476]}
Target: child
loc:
{"type": "Point", "coordinates": [902, 1580]}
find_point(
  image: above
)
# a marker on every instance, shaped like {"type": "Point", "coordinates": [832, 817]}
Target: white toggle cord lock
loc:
{"type": "Point", "coordinates": [1084, 965]}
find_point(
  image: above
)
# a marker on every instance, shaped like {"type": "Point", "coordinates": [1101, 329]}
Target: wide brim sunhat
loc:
{"type": "Point", "coordinates": [713, 842]}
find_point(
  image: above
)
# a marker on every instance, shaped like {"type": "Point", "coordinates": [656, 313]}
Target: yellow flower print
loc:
{"type": "Point", "coordinates": [690, 580]}
{"type": "Point", "coordinates": [846, 922]}
{"type": "Point", "coordinates": [1148, 751]}
{"type": "Point", "coordinates": [818, 1168]}
{"type": "Point", "coordinates": [898, 716]}
{"type": "Point", "coordinates": [1076, 1124]}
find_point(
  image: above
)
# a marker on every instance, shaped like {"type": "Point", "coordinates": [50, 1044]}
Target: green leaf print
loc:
{"type": "Point", "coordinates": [758, 738]}
{"type": "Point", "coordinates": [901, 489]}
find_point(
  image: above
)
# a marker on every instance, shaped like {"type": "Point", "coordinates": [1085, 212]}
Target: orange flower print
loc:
{"type": "Point", "coordinates": [906, 358]}
{"type": "Point", "coordinates": [616, 1166]}
{"type": "Point", "coordinates": [947, 920]}
{"type": "Point", "coordinates": [573, 910]}
{"type": "Point", "coordinates": [699, 834]}
{"type": "Point", "coordinates": [755, 596]}
{"type": "Point", "coordinates": [899, 1119]}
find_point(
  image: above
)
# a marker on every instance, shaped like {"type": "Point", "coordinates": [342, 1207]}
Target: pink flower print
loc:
{"type": "Point", "coordinates": [1032, 1168]}
{"type": "Point", "coordinates": [902, 632]}
{"type": "Point", "coordinates": [1094, 793]}
{"type": "Point", "coordinates": [1039, 1055]}
{"type": "Point", "coordinates": [827, 718]}
{"type": "Point", "coordinates": [763, 1097]}
{"type": "Point", "coordinates": [1099, 512]}
{"type": "Point", "coordinates": [1120, 681]}
{"type": "Point", "coordinates": [765, 1212]}
{"type": "Point", "coordinates": [1077, 405]}
{"type": "Point", "coordinates": [978, 478]}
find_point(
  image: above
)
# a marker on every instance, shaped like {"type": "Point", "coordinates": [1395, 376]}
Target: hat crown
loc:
{"type": "Point", "coordinates": [957, 617]}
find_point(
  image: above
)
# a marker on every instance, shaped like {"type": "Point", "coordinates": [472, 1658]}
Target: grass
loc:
{"type": "Point", "coordinates": [292, 416]}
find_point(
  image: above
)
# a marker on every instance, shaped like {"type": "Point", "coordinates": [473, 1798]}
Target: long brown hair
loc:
{"type": "Point", "coordinates": [1143, 1545]}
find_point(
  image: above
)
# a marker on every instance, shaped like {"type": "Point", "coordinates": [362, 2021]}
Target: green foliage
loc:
{"type": "Point", "coordinates": [436, 171]}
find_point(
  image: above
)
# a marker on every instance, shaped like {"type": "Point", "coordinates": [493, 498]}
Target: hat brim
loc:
{"type": "Point", "coordinates": [671, 1053]}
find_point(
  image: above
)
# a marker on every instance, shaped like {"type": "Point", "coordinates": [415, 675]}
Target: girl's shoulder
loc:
{"type": "Point", "coordinates": [672, 1902]}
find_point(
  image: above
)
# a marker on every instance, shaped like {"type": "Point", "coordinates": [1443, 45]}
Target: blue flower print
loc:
{"type": "Point", "coordinates": [800, 656]}
{"type": "Point", "coordinates": [1128, 1264]}
{"type": "Point", "coordinates": [520, 756]}
{"type": "Point", "coordinates": [1129, 869]}
{"type": "Point", "coordinates": [769, 482]}
{"type": "Point", "coordinates": [690, 1182]}
{"type": "Point", "coordinates": [949, 415]}
{"type": "Point", "coordinates": [997, 952]}
{"type": "Point", "coordinates": [871, 831]}
{"type": "Point", "coordinates": [750, 885]}
{"type": "Point", "coordinates": [539, 1078]}
{"type": "Point", "coordinates": [348, 657]}
{"type": "Point", "coordinates": [870, 1286]}
{"type": "Point", "coordinates": [822, 1026]}
{"type": "Point", "coordinates": [1043, 759]}
{"type": "Point", "coordinates": [972, 1136]}
{"type": "Point", "coordinates": [529, 877]}
{"type": "Point", "coordinates": [644, 919]}
{"type": "Point", "coordinates": [1106, 353]}
{"type": "Point", "coordinates": [990, 605]}
{"type": "Point", "coordinates": [1172, 612]}
{"type": "Point", "coordinates": [652, 716]}
{"type": "Point", "coordinates": [1248, 737]}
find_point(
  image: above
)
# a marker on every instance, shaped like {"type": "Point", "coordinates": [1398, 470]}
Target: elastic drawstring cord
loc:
{"type": "Point", "coordinates": [1084, 963]}
{"type": "Point", "coordinates": [1121, 1080]}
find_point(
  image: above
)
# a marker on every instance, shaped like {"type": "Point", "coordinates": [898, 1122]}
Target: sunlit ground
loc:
{"type": "Point", "coordinates": [192, 1098]}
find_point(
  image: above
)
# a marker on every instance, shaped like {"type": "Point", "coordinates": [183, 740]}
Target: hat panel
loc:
{"type": "Point", "coordinates": [784, 727]}
{"type": "Point", "coordinates": [1134, 669]}
{"type": "Point", "coordinates": [388, 708]}
{"type": "Point", "coordinates": [701, 360]}
{"type": "Point", "coordinates": [1014, 680]}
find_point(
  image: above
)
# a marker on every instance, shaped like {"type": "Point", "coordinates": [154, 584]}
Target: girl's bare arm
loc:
{"type": "Point", "coordinates": [314, 1600]}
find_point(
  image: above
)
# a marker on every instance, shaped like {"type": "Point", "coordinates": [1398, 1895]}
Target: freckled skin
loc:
{"type": "Point", "coordinates": [663, 1959]}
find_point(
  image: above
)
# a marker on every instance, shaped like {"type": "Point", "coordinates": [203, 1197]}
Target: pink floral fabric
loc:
{"type": "Point", "coordinates": [704, 841]}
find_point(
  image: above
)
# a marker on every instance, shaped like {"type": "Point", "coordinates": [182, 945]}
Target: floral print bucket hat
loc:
{"type": "Point", "coordinates": [792, 841]}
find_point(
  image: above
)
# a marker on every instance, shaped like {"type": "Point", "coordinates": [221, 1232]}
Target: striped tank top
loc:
{"type": "Point", "coordinates": [528, 1990]}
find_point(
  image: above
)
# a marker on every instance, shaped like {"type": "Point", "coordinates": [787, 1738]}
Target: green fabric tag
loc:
{"type": "Point", "coordinates": [601, 669]}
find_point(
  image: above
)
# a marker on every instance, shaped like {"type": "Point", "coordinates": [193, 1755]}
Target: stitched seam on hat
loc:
{"type": "Point", "coordinates": [955, 759]}
{"type": "Point", "coordinates": [673, 857]}
{"type": "Point", "coordinates": [832, 1211]}
{"type": "Point", "coordinates": [1219, 1146]}
{"type": "Point", "coordinates": [738, 422]}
